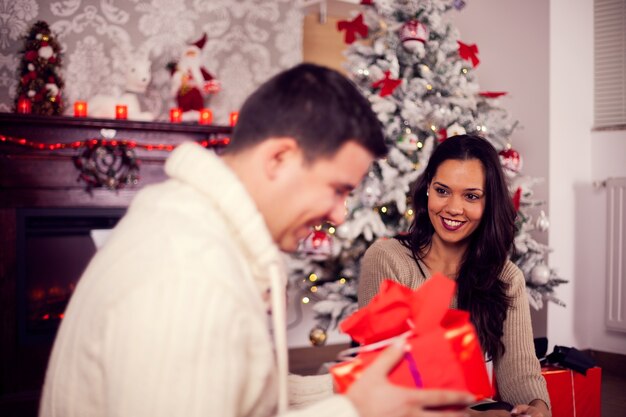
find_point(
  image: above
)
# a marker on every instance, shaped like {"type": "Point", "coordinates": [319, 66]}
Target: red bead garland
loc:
{"type": "Point", "coordinates": [207, 143]}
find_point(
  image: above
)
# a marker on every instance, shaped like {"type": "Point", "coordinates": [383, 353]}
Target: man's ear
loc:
{"type": "Point", "coordinates": [279, 154]}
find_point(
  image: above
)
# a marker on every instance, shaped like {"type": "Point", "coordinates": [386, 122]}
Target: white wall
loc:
{"type": "Point", "coordinates": [579, 157]}
{"type": "Point", "coordinates": [571, 112]}
{"type": "Point", "coordinates": [607, 158]}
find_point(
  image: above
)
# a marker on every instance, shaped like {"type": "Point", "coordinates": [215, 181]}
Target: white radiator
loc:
{"type": "Point", "coordinates": [616, 254]}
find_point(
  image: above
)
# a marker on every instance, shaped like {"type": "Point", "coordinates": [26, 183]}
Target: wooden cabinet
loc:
{"type": "Point", "coordinates": [38, 175]}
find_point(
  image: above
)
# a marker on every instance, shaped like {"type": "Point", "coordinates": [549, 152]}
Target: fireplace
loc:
{"type": "Point", "coordinates": [48, 212]}
{"type": "Point", "coordinates": [53, 247]}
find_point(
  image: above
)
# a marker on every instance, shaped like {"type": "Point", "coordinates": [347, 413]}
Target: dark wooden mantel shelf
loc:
{"type": "Point", "coordinates": [32, 177]}
{"type": "Point", "coordinates": [86, 123]}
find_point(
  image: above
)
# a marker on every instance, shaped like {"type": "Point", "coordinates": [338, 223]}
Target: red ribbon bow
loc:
{"type": "Point", "coordinates": [517, 198]}
{"type": "Point", "coordinates": [352, 27]}
{"type": "Point", "coordinates": [492, 94]}
{"type": "Point", "coordinates": [387, 85]}
{"type": "Point", "coordinates": [469, 53]}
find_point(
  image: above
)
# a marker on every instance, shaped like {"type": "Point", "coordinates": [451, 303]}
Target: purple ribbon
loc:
{"type": "Point", "coordinates": [417, 378]}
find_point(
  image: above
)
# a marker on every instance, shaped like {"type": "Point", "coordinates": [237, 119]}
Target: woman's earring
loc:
{"type": "Point", "coordinates": [426, 193]}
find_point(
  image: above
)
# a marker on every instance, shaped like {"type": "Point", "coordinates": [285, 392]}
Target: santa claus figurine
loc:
{"type": "Point", "coordinates": [191, 82]}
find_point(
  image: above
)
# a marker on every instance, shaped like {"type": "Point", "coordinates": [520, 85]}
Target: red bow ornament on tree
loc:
{"type": "Point", "coordinates": [352, 27]}
{"type": "Point", "coordinates": [517, 198]}
{"type": "Point", "coordinates": [469, 53]}
{"type": "Point", "coordinates": [492, 94]}
{"type": "Point", "coordinates": [387, 85]}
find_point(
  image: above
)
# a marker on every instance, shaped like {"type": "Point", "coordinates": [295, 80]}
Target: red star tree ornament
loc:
{"type": "Point", "coordinates": [469, 53]}
{"type": "Point", "coordinates": [387, 85]}
{"type": "Point", "coordinates": [352, 28]}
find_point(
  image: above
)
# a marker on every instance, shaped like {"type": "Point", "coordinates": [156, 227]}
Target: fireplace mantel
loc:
{"type": "Point", "coordinates": [33, 176]}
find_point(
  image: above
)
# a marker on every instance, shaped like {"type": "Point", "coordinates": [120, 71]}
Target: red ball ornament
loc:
{"type": "Point", "coordinates": [317, 245]}
{"type": "Point", "coordinates": [414, 35]}
{"type": "Point", "coordinates": [511, 160]}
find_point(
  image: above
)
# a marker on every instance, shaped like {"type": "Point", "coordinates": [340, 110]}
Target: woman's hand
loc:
{"type": "Point", "coordinates": [536, 408]}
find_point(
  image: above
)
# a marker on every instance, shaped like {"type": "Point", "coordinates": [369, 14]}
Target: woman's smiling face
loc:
{"type": "Point", "coordinates": [456, 199]}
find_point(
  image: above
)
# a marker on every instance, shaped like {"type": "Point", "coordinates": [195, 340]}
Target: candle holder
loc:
{"type": "Point", "coordinates": [121, 112]}
{"type": "Point", "coordinates": [80, 109]}
{"type": "Point", "coordinates": [176, 115]}
{"type": "Point", "coordinates": [24, 106]}
{"type": "Point", "coordinates": [206, 117]}
{"type": "Point", "coordinates": [233, 118]}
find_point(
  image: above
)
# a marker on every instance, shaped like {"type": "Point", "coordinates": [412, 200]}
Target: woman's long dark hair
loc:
{"type": "Point", "coordinates": [480, 291]}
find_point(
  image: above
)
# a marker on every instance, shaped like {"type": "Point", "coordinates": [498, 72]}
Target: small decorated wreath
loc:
{"type": "Point", "coordinates": [107, 165]}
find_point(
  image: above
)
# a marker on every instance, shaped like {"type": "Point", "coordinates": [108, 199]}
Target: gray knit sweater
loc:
{"type": "Point", "coordinates": [517, 372]}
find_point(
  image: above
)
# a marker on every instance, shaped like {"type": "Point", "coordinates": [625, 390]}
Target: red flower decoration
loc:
{"type": "Point", "coordinates": [29, 76]}
{"type": "Point", "coordinates": [367, 2]}
{"type": "Point", "coordinates": [352, 27]}
{"type": "Point", "coordinates": [30, 55]}
{"type": "Point", "coordinates": [469, 53]}
{"type": "Point", "coordinates": [493, 94]}
{"type": "Point", "coordinates": [387, 85]}
{"type": "Point", "coordinates": [517, 198]}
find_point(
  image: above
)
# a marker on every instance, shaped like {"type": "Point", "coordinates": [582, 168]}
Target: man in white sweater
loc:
{"type": "Point", "coordinates": [182, 312]}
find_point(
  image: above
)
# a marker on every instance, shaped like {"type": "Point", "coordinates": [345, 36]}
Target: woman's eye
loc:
{"type": "Point", "coordinates": [472, 197]}
{"type": "Point", "coordinates": [440, 190]}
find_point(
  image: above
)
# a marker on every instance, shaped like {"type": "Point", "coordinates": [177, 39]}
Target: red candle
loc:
{"type": "Point", "coordinates": [206, 117]}
{"type": "Point", "coordinates": [121, 112]}
{"type": "Point", "coordinates": [233, 118]}
{"type": "Point", "coordinates": [80, 109]}
{"type": "Point", "coordinates": [24, 106]}
{"type": "Point", "coordinates": [176, 115]}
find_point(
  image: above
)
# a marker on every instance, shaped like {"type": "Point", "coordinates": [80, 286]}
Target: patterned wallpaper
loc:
{"type": "Point", "coordinates": [248, 41]}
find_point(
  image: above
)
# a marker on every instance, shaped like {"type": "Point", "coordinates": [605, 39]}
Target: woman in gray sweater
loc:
{"type": "Point", "coordinates": [464, 227]}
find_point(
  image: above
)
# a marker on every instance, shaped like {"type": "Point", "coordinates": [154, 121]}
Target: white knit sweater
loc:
{"type": "Point", "coordinates": [171, 316]}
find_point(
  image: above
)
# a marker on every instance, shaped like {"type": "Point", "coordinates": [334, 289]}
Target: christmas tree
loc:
{"type": "Point", "coordinates": [38, 72]}
{"type": "Point", "coordinates": [419, 76]}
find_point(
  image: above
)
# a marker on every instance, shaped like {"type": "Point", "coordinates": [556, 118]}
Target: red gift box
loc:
{"type": "Point", "coordinates": [573, 394]}
{"type": "Point", "coordinates": [444, 350]}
